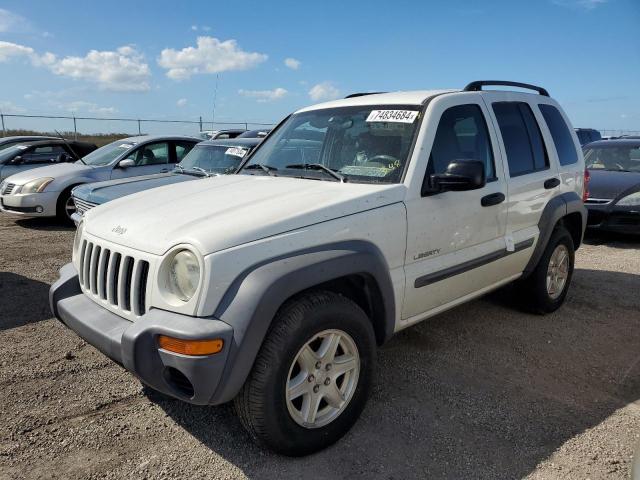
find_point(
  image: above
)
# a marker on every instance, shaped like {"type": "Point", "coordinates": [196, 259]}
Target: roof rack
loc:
{"type": "Point", "coordinates": [477, 86]}
{"type": "Point", "coordinates": [362, 94]}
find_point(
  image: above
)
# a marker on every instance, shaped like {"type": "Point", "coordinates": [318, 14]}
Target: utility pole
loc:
{"type": "Point", "coordinates": [215, 96]}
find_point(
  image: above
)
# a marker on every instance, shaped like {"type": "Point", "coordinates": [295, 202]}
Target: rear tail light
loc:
{"type": "Point", "coordinates": [585, 190]}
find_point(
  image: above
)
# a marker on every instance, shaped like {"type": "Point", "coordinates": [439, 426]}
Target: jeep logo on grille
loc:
{"type": "Point", "coordinates": [119, 230]}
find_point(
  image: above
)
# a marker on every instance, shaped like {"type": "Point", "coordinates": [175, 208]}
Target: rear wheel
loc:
{"type": "Point", "coordinates": [312, 376]}
{"type": "Point", "coordinates": [545, 289]}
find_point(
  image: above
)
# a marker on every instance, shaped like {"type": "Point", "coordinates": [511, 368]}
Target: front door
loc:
{"type": "Point", "coordinates": [148, 159]}
{"type": "Point", "coordinates": [455, 238]}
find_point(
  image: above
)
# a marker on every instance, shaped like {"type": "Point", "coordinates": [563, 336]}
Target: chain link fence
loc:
{"type": "Point", "coordinates": [82, 126]}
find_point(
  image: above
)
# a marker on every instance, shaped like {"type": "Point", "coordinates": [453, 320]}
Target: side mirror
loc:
{"type": "Point", "coordinates": [126, 163]}
{"type": "Point", "coordinates": [17, 160]}
{"type": "Point", "coordinates": [460, 175]}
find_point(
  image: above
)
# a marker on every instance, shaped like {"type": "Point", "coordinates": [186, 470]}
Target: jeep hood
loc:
{"type": "Point", "coordinates": [221, 212]}
{"type": "Point", "coordinates": [102, 192]}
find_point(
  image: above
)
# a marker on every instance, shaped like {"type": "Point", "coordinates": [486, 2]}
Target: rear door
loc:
{"type": "Point", "coordinates": [531, 171]}
{"type": "Point", "coordinates": [453, 237]}
{"type": "Point", "coordinates": [148, 159]}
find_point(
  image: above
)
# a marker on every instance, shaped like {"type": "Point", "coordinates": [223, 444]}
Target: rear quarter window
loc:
{"type": "Point", "coordinates": [562, 139]}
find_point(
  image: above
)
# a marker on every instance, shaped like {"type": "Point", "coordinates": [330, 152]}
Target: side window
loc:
{"type": "Point", "coordinates": [462, 134]}
{"type": "Point", "coordinates": [151, 154]}
{"type": "Point", "coordinates": [44, 153]}
{"type": "Point", "coordinates": [182, 148]}
{"type": "Point", "coordinates": [561, 135]}
{"type": "Point", "coordinates": [522, 139]}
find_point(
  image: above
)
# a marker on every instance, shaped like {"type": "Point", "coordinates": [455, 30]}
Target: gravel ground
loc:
{"type": "Point", "coordinates": [483, 391]}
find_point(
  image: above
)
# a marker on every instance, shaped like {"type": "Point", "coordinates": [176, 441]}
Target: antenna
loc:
{"type": "Point", "coordinates": [67, 144]}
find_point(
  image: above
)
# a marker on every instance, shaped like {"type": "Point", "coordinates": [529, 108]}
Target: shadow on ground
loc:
{"type": "Point", "coordinates": [617, 240]}
{"type": "Point", "coordinates": [482, 391]}
{"type": "Point", "coordinates": [51, 224]}
{"type": "Point", "coordinates": [22, 300]}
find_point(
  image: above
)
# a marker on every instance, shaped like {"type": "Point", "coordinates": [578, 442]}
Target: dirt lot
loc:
{"type": "Point", "coordinates": [483, 391]}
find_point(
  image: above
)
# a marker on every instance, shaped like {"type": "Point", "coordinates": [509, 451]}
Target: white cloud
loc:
{"type": "Point", "coordinates": [583, 4]}
{"type": "Point", "coordinates": [181, 102]}
{"type": "Point", "coordinates": [324, 91]}
{"type": "Point", "coordinates": [10, 107]}
{"type": "Point", "coordinates": [194, 28]}
{"type": "Point", "coordinates": [292, 63]}
{"type": "Point", "coordinates": [209, 56]}
{"type": "Point", "coordinates": [264, 95]}
{"type": "Point", "coordinates": [11, 22]}
{"type": "Point", "coordinates": [82, 106]}
{"type": "Point", "coordinates": [122, 71]}
{"type": "Point", "coordinates": [9, 50]}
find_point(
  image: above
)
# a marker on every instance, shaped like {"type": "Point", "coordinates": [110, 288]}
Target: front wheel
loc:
{"type": "Point", "coordinates": [312, 376]}
{"type": "Point", "coordinates": [65, 207]}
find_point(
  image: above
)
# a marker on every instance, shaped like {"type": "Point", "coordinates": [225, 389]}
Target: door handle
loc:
{"type": "Point", "coordinates": [164, 170]}
{"type": "Point", "coordinates": [551, 183]}
{"type": "Point", "coordinates": [492, 199]}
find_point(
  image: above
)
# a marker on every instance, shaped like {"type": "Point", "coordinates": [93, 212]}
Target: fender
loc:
{"type": "Point", "coordinates": [557, 208]}
{"type": "Point", "coordinates": [253, 299]}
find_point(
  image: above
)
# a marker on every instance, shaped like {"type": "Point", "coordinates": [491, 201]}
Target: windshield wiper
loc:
{"type": "Point", "coordinates": [265, 168]}
{"type": "Point", "coordinates": [319, 167]}
{"type": "Point", "coordinates": [201, 170]}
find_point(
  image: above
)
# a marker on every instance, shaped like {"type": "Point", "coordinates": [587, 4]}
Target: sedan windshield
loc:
{"type": "Point", "coordinates": [620, 159]}
{"type": "Point", "coordinates": [107, 154]}
{"type": "Point", "coordinates": [363, 144]}
{"type": "Point", "coordinates": [221, 159]}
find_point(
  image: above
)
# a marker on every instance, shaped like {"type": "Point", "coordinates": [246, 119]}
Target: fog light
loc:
{"type": "Point", "coordinates": [39, 209]}
{"type": "Point", "coordinates": [190, 347]}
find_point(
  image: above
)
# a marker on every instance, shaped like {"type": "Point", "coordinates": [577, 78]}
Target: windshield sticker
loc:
{"type": "Point", "coordinates": [363, 171]}
{"type": "Point", "coordinates": [126, 145]}
{"type": "Point", "coordinates": [22, 147]}
{"type": "Point", "coordinates": [236, 151]}
{"type": "Point", "coordinates": [400, 116]}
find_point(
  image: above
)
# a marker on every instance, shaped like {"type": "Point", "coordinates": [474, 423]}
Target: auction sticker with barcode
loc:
{"type": "Point", "coordinates": [236, 151]}
{"type": "Point", "coordinates": [401, 116]}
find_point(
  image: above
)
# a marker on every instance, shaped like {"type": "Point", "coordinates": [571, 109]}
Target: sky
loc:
{"type": "Point", "coordinates": [162, 59]}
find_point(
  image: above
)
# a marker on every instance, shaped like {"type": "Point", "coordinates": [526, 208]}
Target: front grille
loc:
{"type": "Point", "coordinates": [8, 188]}
{"type": "Point", "coordinates": [120, 280]}
{"type": "Point", "coordinates": [82, 205]}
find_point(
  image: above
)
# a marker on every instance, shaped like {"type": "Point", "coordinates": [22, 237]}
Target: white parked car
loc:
{"type": "Point", "coordinates": [46, 191]}
{"type": "Point", "coordinates": [354, 219]}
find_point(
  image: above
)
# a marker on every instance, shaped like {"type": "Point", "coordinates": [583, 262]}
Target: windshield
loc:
{"type": "Point", "coordinates": [363, 144]}
{"type": "Point", "coordinates": [623, 158]}
{"type": "Point", "coordinates": [221, 159]}
{"type": "Point", "coordinates": [107, 154]}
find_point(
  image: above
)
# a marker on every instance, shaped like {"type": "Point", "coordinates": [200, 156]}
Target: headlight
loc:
{"type": "Point", "coordinates": [77, 238]}
{"type": "Point", "coordinates": [632, 200]}
{"type": "Point", "coordinates": [35, 186]}
{"type": "Point", "coordinates": [184, 275]}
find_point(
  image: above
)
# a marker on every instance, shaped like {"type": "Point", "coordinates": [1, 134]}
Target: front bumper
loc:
{"type": "Point", "coordinates": [613, 218]}
{"type": "Point", "coordinates": [133, 345]}
{"type": "Point", "coordinates": [30, 204]}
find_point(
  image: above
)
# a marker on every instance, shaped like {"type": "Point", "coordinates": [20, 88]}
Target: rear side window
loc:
{"type": "Point", "coordinates": [560, 133]}
{"type": "Point", "coordinates": [522, 139]}
{"type": "Point", "coordinates": [462, 135]}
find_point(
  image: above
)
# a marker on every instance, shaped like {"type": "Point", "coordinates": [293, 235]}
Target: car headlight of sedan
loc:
{"type": "Point", "coordinates": [183, 274]}
{"type": "Point", "coordinates": [35, 186]}
{"type": "Point", "coordinates": [632, 200]}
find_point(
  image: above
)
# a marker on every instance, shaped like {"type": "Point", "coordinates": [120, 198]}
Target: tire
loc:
{"type": "Point", "coordinates": [62, 213]}
{"type": "Point", "coordinates": [537, 295]}
{"type": "Point", "coordinates": [263, 404]}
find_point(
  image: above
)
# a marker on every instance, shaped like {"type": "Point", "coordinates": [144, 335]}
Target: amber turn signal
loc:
{"type": "Point", "coordinates": [190, 347]}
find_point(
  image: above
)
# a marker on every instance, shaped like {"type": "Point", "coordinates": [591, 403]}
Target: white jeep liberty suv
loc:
{"type": "Point", "coordinates": [353, 220]}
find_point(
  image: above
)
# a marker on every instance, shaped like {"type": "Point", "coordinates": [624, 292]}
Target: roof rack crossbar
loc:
{"type": "Point", "coordinates": [362, 94]}
{"type": "Point", "coordinates": [477, 86]}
